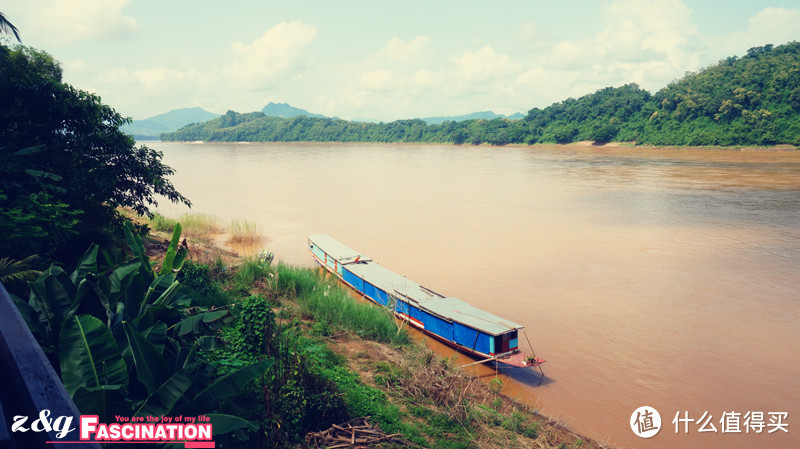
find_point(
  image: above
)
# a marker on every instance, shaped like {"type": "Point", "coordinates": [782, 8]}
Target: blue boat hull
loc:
{"type": "Point", "coordinates": [451, 333]}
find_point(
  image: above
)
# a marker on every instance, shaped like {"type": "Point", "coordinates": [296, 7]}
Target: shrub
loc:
{"type": "Point", "coordinates": [202, 284]}
{"type": "Point", "coordinates": [252, 271]}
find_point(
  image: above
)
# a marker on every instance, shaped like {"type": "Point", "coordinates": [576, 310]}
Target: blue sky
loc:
{"type": "Point", "coordinates": [386, 60]}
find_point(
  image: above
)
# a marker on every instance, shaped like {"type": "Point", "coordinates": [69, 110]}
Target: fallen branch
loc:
{"type": "Point", "coordinates": [354, 433]}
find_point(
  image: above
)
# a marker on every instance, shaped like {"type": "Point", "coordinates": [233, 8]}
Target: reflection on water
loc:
{"type": "Point", "coordinates": [666, 278]}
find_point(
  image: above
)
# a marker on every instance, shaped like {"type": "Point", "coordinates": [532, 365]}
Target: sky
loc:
{"type": "Point", "coordinates": [384, 60]}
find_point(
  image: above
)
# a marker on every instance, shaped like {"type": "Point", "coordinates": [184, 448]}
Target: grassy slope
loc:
{"type": "Point", "coordinates": [376, 368]}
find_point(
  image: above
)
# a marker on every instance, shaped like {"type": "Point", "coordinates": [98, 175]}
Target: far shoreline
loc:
{"type": "Point", "coordinates": [586, 144]}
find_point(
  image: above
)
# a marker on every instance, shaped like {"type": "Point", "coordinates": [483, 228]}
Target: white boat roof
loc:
{"type": "Point", "coordinates": [399, 286]}
{"type": "Point", "coordinates": [393, 283]}
{"type": "Point", "coordinates": [344, 254]}
{"type": "Point", "coordinates": [457, 310]}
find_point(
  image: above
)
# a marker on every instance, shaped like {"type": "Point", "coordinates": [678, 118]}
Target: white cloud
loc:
{"type": "Point", "coordinates": [158, 84]}
{"type": "Point", "coordinates": [650, 42]}
{"type": "Point", "coordinates": [75, 65]}
{"type": "Point", "coordinates": [483, 65]}
{"type": "Point", "coordinates": [61, 22]}
{"type": "Point", "coordinates": [273, 56]}
{"type": "Point", "coordinates": [407, 52]}
{"type": "Point", "coordinates": [663, 27]}
{"type": "Point", "coordinates": [427, 79]}
{"type": "Point", "coordinates": [769, 26]}
{"type": "Point", "coordinates": [378, 80]}
{"type": "Point", "coordinates": [154, 80]}
{"type": "Point", "coordinates": [775, 25]}
{"type": "Point", "coordinates": [572, 55]}
{"type": "Point", "coordinates": [526, 33]}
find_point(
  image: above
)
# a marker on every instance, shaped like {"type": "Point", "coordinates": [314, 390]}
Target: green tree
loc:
{"type": "Point", "coordinates": [62, 152]}
{"type": "Point", "coordinates": [604, 134]}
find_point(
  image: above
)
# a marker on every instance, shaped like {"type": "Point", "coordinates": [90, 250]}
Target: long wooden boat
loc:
{"type": "Point", "coordinates": [450, 320]}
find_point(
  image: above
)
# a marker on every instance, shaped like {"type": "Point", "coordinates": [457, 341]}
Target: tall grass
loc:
{"type": "Point", "coordinates": [162, 223]}
{"type": "Point", "coordinates": [198, 224]}
{"type": "Point", "coordinates": [251, 270]}
{"type": "Point", "coordinates": [244, 232]}
{"type": "Point", "coordinates": [329, 303]}
{"type": "Point", "coordinates": [194, 224]}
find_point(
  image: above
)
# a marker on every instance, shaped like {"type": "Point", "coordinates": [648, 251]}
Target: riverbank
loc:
{"type": "Point", "coordinates": [591, 144]}
{"type": "Point", "coordinates": [404, 386]}
{"type": "Point", "coordinates": [581, 144]}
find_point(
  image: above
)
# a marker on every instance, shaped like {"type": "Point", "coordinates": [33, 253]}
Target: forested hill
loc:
{"type": "Point", "coordinates": [752, 100]}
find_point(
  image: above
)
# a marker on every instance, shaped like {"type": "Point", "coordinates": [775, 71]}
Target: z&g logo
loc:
{"type": "Point", "coordinates": [44, 424]}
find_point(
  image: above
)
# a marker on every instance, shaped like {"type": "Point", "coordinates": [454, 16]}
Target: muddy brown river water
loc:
{"type": "Point", "coordinates": [667, 278]}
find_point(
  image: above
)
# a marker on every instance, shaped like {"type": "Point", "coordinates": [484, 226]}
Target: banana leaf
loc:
{"type": "Point", "coordinates": [156, 289]}
{"type": "Point", "coordinates": [232, 384]}
{"type": "Point", "coordinates": [89, 355]}
{"type": "Point", "coordinates": [135, 244]}
{"type": "Point", "coordinates": [185, 355]}
{"type": "Point", "coordinates": [87, 264]}
{"type": "Point", "coordinates": [151, 368]}
{"type": "Point", "coordinates": [193, 324]}
{"type": "Point", "coordinates": [96, 308]}
{"type": "Point", "coordinates": [163, 399]}
{"type": "Point", "coordinates": [154, 314]}
{"type": "Point", "coordinates": [121, 278]}
{"type": "Point", "coordinates": [228, 423]}
{"type": "Point", "coordinates": [169, 294]}
{"type": "Point", "coordinates": [53, 292]}
{"type": "Point", "coordinates": [169, 257]}
{"type": "Point", "coordinates": [157, 336]}
{"type": "Point", "coordinates": [29, 315]}
{"type": "Point", "coordinates": [105, 401]}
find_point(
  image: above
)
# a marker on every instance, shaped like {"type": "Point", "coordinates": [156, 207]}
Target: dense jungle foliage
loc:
{"type": "Point", "coordinates": [752, 100]}
{"type": "Point", "coordinates": [65, 166]}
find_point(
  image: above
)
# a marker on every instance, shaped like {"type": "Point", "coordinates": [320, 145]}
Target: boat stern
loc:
{"type": "Point", "coordinates": [520, 359]}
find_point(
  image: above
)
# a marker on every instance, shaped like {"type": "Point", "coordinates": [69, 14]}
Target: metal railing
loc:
{"type": "Point", "coordinates": [28, 385]}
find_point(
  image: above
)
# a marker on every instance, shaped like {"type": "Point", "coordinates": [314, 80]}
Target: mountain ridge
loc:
{"type": "Point", "coordinates": [285, 110]}
{"type": "Point", "coordinates": [752, 100]}
{"type": "Point", "coordinates": [151, 127]}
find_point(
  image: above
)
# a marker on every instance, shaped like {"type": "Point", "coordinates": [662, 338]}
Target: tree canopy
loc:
{"type": "Point", "coordinates": [64, 164]}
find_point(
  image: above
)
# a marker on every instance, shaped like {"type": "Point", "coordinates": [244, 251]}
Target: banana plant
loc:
{"type": "Point", "coordinates": [100, 381]}
{"type": "Point", "coordinates": [125, 341]}
{"type": "Point", "coordinates": [56, 296]}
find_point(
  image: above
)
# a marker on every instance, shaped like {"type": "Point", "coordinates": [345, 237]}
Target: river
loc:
{"type": "Point", "coordinates": [660, 277]}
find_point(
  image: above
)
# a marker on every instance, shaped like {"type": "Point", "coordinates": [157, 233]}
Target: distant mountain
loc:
{"type": "Point", "coordinates": [483, 115]}
{"type": "Point", "coordinates": [752, 100]}
{"type": "Point", "coordinates": [286, 111]}
{"type": "Point", "coordinates": [151, 128]}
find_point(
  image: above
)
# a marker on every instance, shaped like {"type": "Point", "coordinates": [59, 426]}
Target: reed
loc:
{"type": "Point", "coordinates": [198, 224]}
{"type": "Point", "coordinates": [244, 232]}
{"type": "Point", "coordinates": [330, 303]}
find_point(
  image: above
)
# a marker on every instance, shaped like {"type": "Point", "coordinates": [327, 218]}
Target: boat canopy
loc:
{"type": "Point", "coordinates": [457, 310]}
{"type": "Point", "coordinates": [344, 254]}
{"type": "Point", "coordinates": [449, 308]}
{"type": "Point", "coordinates": [403, 289]}
{"type": "Point", "coordinates": [392, 283]}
